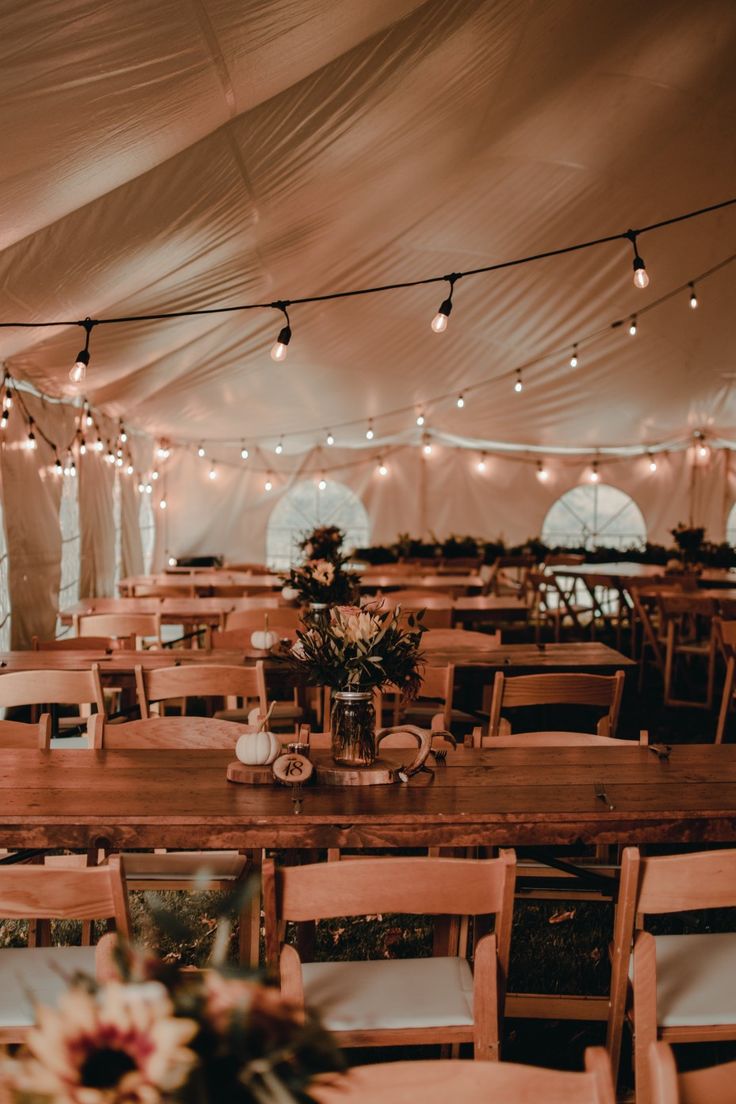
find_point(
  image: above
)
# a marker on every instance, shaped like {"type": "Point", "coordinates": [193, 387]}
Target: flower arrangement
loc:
{"type": "Point", "coordinates": [322, 581]}
{"type": "Point", "coordinates": [170, 1034]}
{"type": "Point", "coordinates": [323, 543]}
{"type": "Point", "coordinates": [689, 539]}
{"type": "Point", "coordinates": [360, 649]}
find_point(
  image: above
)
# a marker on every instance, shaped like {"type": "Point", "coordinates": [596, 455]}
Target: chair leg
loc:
{"type": "Point", "coordinates": [249, 930]}
{"type": "Point", "coordinates": [669, 663]}
{"type": "Point", "coordinates": [725, 699]}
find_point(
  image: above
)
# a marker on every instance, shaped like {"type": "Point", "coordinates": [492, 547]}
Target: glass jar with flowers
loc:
{"type": "Point", "coordinates": [356, 651]}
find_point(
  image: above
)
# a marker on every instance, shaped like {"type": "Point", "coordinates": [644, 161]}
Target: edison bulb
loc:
{"type": "Point", "coordinates": [200, 452]}
{"type": "Point", "coordinates": [632, 327]}
{"type": "Point", "coordinates": [641, 278]}
{"type": "Point", "coordinates": [329, 439]}
{"type": "Point", "coordinates": [460, 401]}
{"type": "Point", "coordinates": [212, 473]}
{"type": "Point", "coordinates": [439, 322]}
{"type": "Point", "coordinates": [369, 434]}
{"type": "Point", "coordinates": [163, 504]}
{"type": "Point", "coordinates": [481, 465]}
{"type": "Point", "coordinates": [652, 465]}
{"type": "Point", "coordinates": [542, 474]}
{"type": "Point", "coordinates": [427, 450]}
{"type": "Point", "coordinates": [574, 360]}
{"type": "Point", "coordinates": [420, 419]}
{"type": "Point", "coordinates": [244, 454]}
{"type": "Point", "coordinates": [78, 371]}
{"type": "Point", "coordinates": [268, 485]}
{"type": "Point", "coordinates": [279, 351]}
{"type": "Point", "coordinates": [322, 484]}
{"type": "Point", "coordinates": [279, 449]}
{"type": "Point", "coordinates": [128, 470]}
{"type": "Point", "coordinates": [594, 476]}
{"type": "Point", "coordinates": [693, 300]}
{"type": "Point", "coordinates": [518, 386]}
{"type": "Point", "coordinates": [382, 469]}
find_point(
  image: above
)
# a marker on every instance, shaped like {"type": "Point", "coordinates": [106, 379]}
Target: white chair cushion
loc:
{"type": "Point", "coordinates": [175, 865]}
{"type": "Point", "coordinates": [695, 979]}
{"type": "Point", "coordinates": [37, 975]}
{"type": "Point", "coordinates": [390, 993]}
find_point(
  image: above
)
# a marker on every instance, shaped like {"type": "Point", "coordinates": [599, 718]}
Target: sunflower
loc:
{"type": "Point", "coordinates": [121, 1045]}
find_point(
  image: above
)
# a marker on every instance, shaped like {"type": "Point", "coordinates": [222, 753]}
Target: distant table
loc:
{"type": "Point", "coordinates": [203, 581]}
{"type": "Point", "coordinates": [372, 580]}
{"type": "Point", "coordinates": [174, 611]}
{"type": "Point", "coordinates": [590, 656]}
{"type": "Point", "coordinates": [623, 572]}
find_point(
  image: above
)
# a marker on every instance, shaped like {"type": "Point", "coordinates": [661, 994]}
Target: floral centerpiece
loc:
{"type": "Point", "coordinates": [323, 543]}
{"type": "Point", "coordinates": [322, 582]}
{"type": "Point", "coordinates": [356, 651]}
{"type": "Point", "coordinates": [689, 540]}
{"type": "Point", "coordinates": [170, 1034]}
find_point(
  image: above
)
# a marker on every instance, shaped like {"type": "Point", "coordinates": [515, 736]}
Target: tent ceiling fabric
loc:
{"type": "Point", "coordinates": [167, 156]}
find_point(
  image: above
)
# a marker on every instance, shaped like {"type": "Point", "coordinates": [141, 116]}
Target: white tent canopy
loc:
{"type": "Point", "coordinates": [164, 157]}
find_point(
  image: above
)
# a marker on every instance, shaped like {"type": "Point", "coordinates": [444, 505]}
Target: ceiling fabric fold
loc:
{"type": "Point", "coordinates": [183, 155]}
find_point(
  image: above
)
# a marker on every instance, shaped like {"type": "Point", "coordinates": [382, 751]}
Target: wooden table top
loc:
{"type": "Point", "coordinates": [510, 796]}
{"type": "Point", "coordinates": [172, 610]}
{"type": "Point", "coordinates": [393, 581]}
{"type": "Point", "coordinates": [589, 656]}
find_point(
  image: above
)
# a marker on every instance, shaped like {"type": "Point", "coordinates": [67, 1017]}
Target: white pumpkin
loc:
{"type": "Point", "coordinates": [258, 749]}
{"type": "Point", "coordinates": [289, 593]}
{"type": "Point", "coordinates": [264, 639]}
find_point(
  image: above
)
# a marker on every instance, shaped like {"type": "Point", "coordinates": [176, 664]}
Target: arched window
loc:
{"type": "Point", "coordinates": [69, 525]}
{"type": "Point", "coordinates": [304, 507]}
{"type": "Point", "coordinates": [594, 514]}
{"type": "Point", "coordinates": [147, 526]}
{"type": "Point", "coordinates": [731, 527]}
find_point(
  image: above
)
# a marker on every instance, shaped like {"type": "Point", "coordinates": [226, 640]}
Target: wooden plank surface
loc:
{"type": "Point", "coordinates": [511, 796]}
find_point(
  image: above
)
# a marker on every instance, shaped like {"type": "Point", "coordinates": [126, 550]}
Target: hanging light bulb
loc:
{"type": "Point", "coordinates": [8, 397]}
{"type": "Point", "coordinates": [58, 469]}
{"type": "Point", "coordinates": [268, 485]}
{"type": "Point", "coordinates": [129, 469]}
{"type": "Point", "coordinates": [702, 450]}
{"type": "Point", "coordinates": [244, 454]}
{"type": "Point", "coordinates": [382, 469]}
{"type": "Point", "coordinates": [4, 417]}
{"type": "Point", "coordinates": [322, 484]}
{"type": "Point", "coordinates": [280, 347]}
{"type": "Point", "coordinates": [574, 357]}
{"type": "Point", "coordinates": [369, 434]}
{"type": "Point", "coordinates": [212, 473]}
{"type": "Point", "coordinates": [172, 561]}
{"type": "Point", "coordinates": [420, 418]}
{"type": "Point", "coordinates": [78, 370]}
{"type": "Point", "coordinates": [88, 420]}
{"type": "Point", "coordinates": [641, 276]}
{"type": "Point", "coordinates": [652, 463]}
{"type": "Point", "coordinates": [109, 456]}
{"type": "Point", "coordinates": [163, 504]}
{"type": "Point", "coordinates": [329, 439]}
{"type": "Point", "coordinates": [119, 454]}
{"type": "Point", "coordinates": [201, 452]}
{"type": "Point", "coordinates": [154, 475]}
{"type": "Point", "coordinates": [594, 473]}
{"type": "Point", "coordinates": [427, 445]}
{"type": "Point", "coordinates": [279, 447]}
{"type": "Point", "coordinates": [123, 434]}
{"type": "Point", "coordinates": [693, 297]}
{"type": "Point", "coordinates": [98, 444]}
{"type": "Point", "coordinates": [82, 446]}
{"type": "Point", "coordinates": [141, 488]}
{"type": "Point", "coordinates": [632, 325]}
{"type": "Point", "coordinates": [118, 461]}
{"type": "Point", "coordinates": [460, 401]}
{"type": "Point", "coordinates": [439, 322]}
{"type": "Point", "coordinates": [518, 386]}
{"type": "Point", "coordinates": [149, 488]}
{"type": "Point", "coordinates": [72, 467]}
{"type": "Point", "coordinates": [542, 473]}
{"type": "Point", "coordinates": [482, 465]}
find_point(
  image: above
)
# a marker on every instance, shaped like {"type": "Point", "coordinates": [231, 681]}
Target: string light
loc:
{"type": "Point", "coordinates": [482, 465]}
{"type": "Point", "coordinates": [693, 296]}
{"type": "Point", "coordinates": [149, 488]}
{"type": "Point", "coordinates": [542, 473]}
{"type": "Point", "coordinates": [381, 469]}
{"type": "Point", "coordinates": [8, 397]}
{"type": "Point", "coordinates": [118, 461]}
{"type": "Point", "coordinates": [702, 450]}
{"type": "Point", "coordinates": [154, 475]}
{"type": "Point", "coordinates": [78, 370]}
{"type": "Point", "coordinates": [641, 276]}
{"type": "Point", "coordinates": [322, 485]}
{"type": "Point", "coordinates": [460, 401]}
{"type": "Point", "coordinates": [4, 417]}
{"type": "Point", "coordinates": [329, 439]}
{"type": "Point", "coordinates": [279, 447]}
{"type": "Point", "coordinates": [652, 463]}
{"type": "Point", "coordinates": [31, 442]}
{"type": "Point", "coordinates": [268, 485]}
{"type": "Point", "coordinates": [212, 473]}
{"type": "Point", "coordinates": [427, 445]}
{"type": "Point", "coordinates": [129, 469]}
{"type": "Point", "coordinates": [574, 357]}
{"type": "Point", "coordinates": [123, 434]}
{"type": "Point", "coordinates": [420, 418]}
{"type": "Point", "coordinates": [594, 473]}
{"type": "Point", "coordinates": [518, 386]}
{"type": "Point", "coordinates": [244, 454]}
{"type": "Point", "coordinates": [369, 434]}
{"type": "Point", "coordinates": [109, 456]}
{"type": "Point", "coordinates": [82, 446]}
{"type": "Point", "coordinates": [141, 488]}
{"type": "Point", "coordinates": [58, 469]}
{"type": "Point", "coordinates": [163, 504]}
{"type": "Point", "coordinates": [439, 322]}
{"type": "Point", "coordinates": [280, 347]}
{"type": "Point", "coordinates": [201, 452]}
{"type": "Point", "coordinates": [632, 325]}
{"type": "Point", "coordinates": [88, 419]}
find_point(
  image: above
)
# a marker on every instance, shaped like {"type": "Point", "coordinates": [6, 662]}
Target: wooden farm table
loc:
{"type": "Point", "coordinates": [509, 796]}
{"type": "Point", "coordinates": [119, 662]}
{"type": "Point", "coordinates": [586, 656]}
{"type": "Point", "coordinates": [174, 611]}
{"type": "Point", "coordinates": [203, 581]}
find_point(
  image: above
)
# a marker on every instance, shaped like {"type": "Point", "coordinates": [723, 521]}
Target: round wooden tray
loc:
{"type": "Point", "coordinates": [251, 776]}
{"type": "Point", "coordinates": [380, 773]}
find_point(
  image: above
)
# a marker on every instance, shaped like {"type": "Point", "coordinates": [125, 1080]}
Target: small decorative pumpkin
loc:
{"type": "Point", "coordinates": [264, 639]}
{"type": "Point", "coordinates": [289, 593]}
{"type": "Point", "coordinates": [258, 748]}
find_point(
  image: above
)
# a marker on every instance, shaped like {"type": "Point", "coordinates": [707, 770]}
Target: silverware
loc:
{"type": "Point", "coordinates": [440, 755]}
{"type": "Point", "coordinates": [662, 751]}
{"type": "Point", "coordinates": [601, 795]}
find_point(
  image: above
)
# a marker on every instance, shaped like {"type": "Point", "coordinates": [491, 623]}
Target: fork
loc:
{"type": "Point", "coordinates": [440, 755]}
{"type": "Point", "coordinates": [600, 793]}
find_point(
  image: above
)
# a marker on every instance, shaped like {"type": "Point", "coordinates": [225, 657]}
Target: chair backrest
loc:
{"type": "Point", "coordinates": [417, 886]}
{"type": "Point", "coordinates": [565, 688]}
{"type": "Point", "coordinates": [240, 639]}
{"type": "Point", "coordinates": [255, 619]}
{"type": "Point", "coordinates": [82, 643]}
{"type": "Point", "coordinates": [436, 1082]}
{"type": "Point", "coordinates": [65, 893]}
{"type": "Point", "coordinates": [712, 1085]}
{"type": "Point", "coordinates": [205, 680]}
{"type": "Point", "coordinates": [680, 605]}
{"type": "Point", "coordinates": [207, 733]}
{"type": "Point", "coordinates": [119, 624]}
{"type": "Point", "coordinates": [258, 602]}
{"type": "Point", "coordinates": [21, 736]}
{"type": "Point", "coordinates": [52, 688]}
{"type": "Point", "coordinates": [438, 684]}
{"type": "Point", "coordinates": [154, 590]}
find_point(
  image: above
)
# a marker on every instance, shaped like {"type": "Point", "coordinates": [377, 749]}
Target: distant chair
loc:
{"type": "Point", "coordinates": [142, 626]}
{"type": "Point", "coordinates": [725, 638]}
{"type": "Point", "coordinates": [26, 737]}
{"type": "Point", "coordinates": [156, 590]}
{"type": "Point", "coordinates": [82, 643]}
{"type": "Point", "coordinates": [202, 680]}
{"type": "Point", "coordinates": [519, 691]}
{"type": "Point", "coordinates": [687, 621]}
{"type": "Point", "coordinates": [282, 618]}
{"type": "Point", "coordinates": [19, 688]}
{"type": "Point", "coordinates": [41, 973]}
{"type": "Point", "coordinates": [508, 574]}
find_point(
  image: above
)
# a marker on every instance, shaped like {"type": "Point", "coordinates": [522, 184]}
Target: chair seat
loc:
{"type": "Point", "coordinates": [555, 739]}
{"type": "Point", "coordinates": [695, 979]}
{"type": "Point", "coordinates": [175, 865]}
{"type": "Point", "coordinates": [390, 993]}
{"type": "Point", "coordinates": [37, 975]}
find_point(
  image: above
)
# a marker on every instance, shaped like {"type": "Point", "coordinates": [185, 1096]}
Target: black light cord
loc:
{"type": "Point", "coordinates": [282, 304]}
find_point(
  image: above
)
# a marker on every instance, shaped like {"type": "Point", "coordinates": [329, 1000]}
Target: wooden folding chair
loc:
{"type": "Point", "coordinates": [204, 680]}
{"type": "Point", "coordinates": [190, 871]}
{"type": "Point", "coordinates": [82, 643]}
{"type": "Point", "coordinates": [688, 623]}
{"type": "Point", "coordinates": [681, 986]}
{"type": "Point", "coordinates": [283, 619]}
{"type": "Point", "coordinates": [393, 1002]}
{"type": "Point", "coordinates": [436, 1082]}
{"type": "Point", "coordinates": [54, 688]}
{"type": "Point", "coordinates": [712, 1085]}
{"type": "Point", "coordinates": [565, 688]}
{"type": "Point", "coordinates": [142, 626]}
{"type": "Point", "coordinates": [40, 973]}
{"type": "Point", "coordinates": [22, 736]}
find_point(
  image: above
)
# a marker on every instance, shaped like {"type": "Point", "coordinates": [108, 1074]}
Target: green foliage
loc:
{"type": "Point", "coordinates": [323, 543]}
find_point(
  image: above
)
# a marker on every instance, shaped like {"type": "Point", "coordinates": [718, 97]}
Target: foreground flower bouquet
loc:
{"type": "Point", "coordinates": [355, 652]}
{"type": "Point", "coordinates": [170, 1034]}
